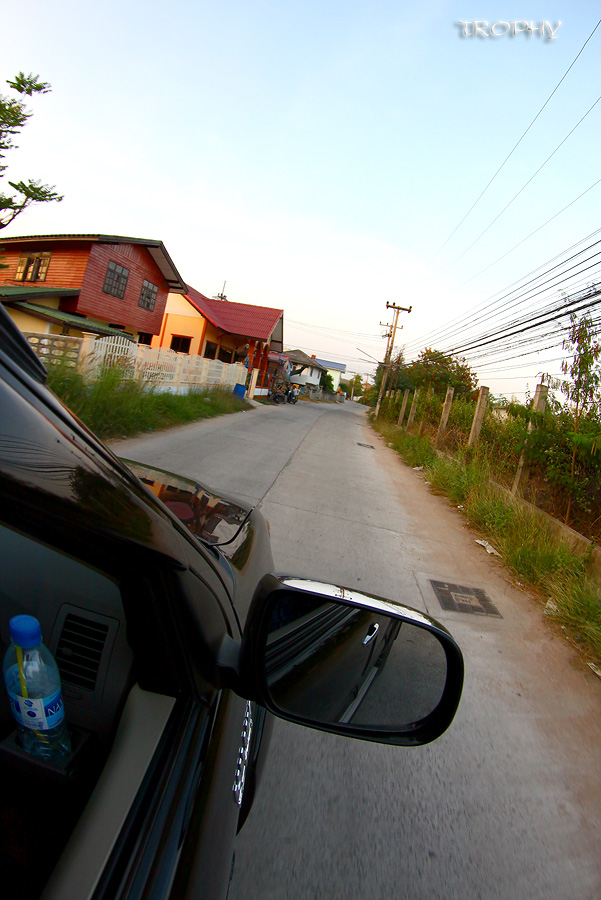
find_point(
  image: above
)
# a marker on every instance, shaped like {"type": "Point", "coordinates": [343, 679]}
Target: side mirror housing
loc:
{"type": "Point", "coordinates": [349, 663]}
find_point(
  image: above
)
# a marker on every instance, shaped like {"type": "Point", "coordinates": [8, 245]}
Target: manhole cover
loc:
{"type": "Point", "coordinates": [371, 446]}
{"type": "Point", "coordinates": [459, 598]}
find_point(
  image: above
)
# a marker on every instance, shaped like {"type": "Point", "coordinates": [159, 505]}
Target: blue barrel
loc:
{"type": "Point", "coordinates": [240, 390]}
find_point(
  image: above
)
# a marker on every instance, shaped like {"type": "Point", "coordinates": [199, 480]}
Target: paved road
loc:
{"type": "Point", "coordinates": [507, 804]}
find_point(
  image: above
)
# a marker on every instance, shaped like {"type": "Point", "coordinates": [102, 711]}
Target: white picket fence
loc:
{"type": "Point", "coordinates": [161, 368]}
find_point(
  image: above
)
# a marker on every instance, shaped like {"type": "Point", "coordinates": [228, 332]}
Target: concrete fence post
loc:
{"type": "Point", "coordinates": [442, 428]}
{"type": "Point", "coordinates": [523, 471]}
{"type": "Point", "coordinates": [403, 407]}
{"type": "Point", "coordinates": [177, 373]}
{"type": "Point", "coordinates": [253, 383]}
{"type": "Point", "coordinates": [478, 417]}
{"type": "Point", "coordinates": [413, 410]}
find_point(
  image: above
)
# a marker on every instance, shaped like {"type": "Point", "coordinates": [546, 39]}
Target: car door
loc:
{"type": "Point", "coordinates": [134, 611]}
{"type": "Point", "coordinates": [155, 746]}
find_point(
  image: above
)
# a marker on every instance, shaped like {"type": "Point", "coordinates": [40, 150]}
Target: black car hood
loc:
{"type": "Point", "coordinates": [207, 515]}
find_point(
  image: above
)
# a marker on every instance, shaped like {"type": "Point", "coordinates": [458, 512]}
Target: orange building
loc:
{"type": "Point", "coordinates": [221, 329]}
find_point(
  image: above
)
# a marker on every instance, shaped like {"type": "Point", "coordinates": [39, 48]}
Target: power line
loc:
{"type": "Point", "coordinates": [542, 316]}
{"type": "Point", "coordinates": [510, 295]}
{"type": "Point", "coordinates": [520, 139]}
{"type": "Point", "coordinates": [500, 336]}
{"type": "Point", "coordinates": [532, 177]}
{"type": "Point", "coordinates": [523, 241]}
{"type": "Point", "coordinates": [311, 325]}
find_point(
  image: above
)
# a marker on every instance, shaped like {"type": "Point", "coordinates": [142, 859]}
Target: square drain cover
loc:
{"type": "Point", "coordinates": [459, 598]}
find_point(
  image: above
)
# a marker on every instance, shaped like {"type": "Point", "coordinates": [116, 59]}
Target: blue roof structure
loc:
{"type": "Point", "coordinates": [327, 364]}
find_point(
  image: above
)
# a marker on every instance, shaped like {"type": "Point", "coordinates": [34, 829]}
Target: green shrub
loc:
{"type": "Point", "coordinates": [456, 478]}
{"type": "Point", "coordinates": [115, 405]}
{"type": "Point", "coordinates": [578, 604]}
{"type": "Point", "coordinates": [415, 451]}
{"type": "Point", "coordinates": [528, 545]}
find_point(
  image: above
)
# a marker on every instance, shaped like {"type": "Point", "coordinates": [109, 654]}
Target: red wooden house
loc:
{"type": "Point", "coordinates": [76, 283]}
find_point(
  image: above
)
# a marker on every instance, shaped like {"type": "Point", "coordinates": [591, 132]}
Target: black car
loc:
{"type": "Point", "coordinates": [176, 643]}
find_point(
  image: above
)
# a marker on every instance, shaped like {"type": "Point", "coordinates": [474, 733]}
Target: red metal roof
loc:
{"type": "Point", "coordinates": [256, 322]}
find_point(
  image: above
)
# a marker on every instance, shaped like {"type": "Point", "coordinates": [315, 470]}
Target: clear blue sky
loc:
{"type": "Point", "coordinates": [315, 156]}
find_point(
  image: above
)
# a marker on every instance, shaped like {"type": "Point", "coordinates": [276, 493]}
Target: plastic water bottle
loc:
{"type": "Point", "coordinates": [34, 690]}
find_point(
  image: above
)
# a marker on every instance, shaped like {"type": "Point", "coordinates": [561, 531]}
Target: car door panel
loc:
{"type": "Point", "coordinates": [141, 728]}
{"type": "Point", "coordinates": [206, 857]}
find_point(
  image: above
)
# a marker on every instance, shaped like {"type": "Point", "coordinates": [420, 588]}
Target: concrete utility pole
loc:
{"type": "Point", "coordinates": [413, 410]}
{"type": "Point", "coordinates": [389, 349]}
{"type": "Point", "coordinates": [444, 418]}
{"type": "Point", "coordinates": [478, 417]}
{"type": "Point", "coordinates": [539, 405]}
{"type": "Point", "coordinates": [403, 407]}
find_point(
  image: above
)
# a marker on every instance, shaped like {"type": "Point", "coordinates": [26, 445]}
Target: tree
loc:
{"type": "Point", "coordinates": [13, 117]}
{"type": "Point", "coordinates": [326, 383]}
{"type": "Point", "coordinates": [437, 371]}
{"type": "Point", "coordinates": [583, 389]}
{"type": "Point", "coordinates": [354, 387]}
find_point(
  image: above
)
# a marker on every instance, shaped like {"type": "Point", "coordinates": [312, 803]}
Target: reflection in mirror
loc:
{"type": "Point", "coordinates": [334, 663]}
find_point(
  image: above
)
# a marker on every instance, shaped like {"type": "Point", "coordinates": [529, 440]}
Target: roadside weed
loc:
{"type": "Point", "coordinates": [528, 544]}
{"type": "Point", "coordinates": [113, 405]}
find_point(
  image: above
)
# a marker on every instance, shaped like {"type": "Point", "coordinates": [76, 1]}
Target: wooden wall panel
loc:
{"type": "Point", "coordinates": [126, 313]}
{"type": "Point", "coordinates": [83, 265]}
{"type": "Point", "coordinates": [66, 269]}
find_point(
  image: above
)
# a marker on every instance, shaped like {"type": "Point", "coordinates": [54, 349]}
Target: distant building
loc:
{"type": "Point", "coordinates": [335, 369]}
{"type": "Point", "coordinates": [306, 371]}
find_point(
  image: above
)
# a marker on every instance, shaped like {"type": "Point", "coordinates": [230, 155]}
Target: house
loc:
{"type": "Point", "coordinates": [87, 283]}
{"type": "Point", "coordinates": [306, 370]}
{"type": "Point", "coordinates": [335, 369]}
{"type": "Point", "coordinates": [225, 330]}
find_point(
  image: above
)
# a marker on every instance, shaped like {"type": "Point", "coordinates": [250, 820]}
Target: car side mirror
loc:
{"type": "Point", "coordinates": [348, 663]}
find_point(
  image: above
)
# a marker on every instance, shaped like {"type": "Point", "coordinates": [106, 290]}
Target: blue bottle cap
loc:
{"type": "Point", "coordinates": [25, 631]}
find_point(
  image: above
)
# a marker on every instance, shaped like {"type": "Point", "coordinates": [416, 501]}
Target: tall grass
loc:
{"type": "Point", "coordinates": [414, 450]}
{"type": "Point", "coordinates": [527, 543]}
{"type": "Point", "coordinates": [114, 405]}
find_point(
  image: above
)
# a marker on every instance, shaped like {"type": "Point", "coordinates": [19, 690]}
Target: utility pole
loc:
{"type": "Point", "coordinates": [387, 336]}
{"type": "Point", "coordinates": [389, 349]}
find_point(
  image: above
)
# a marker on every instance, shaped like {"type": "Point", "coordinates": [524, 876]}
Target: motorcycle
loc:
{"type": "Point", "coordinates": [291, 397]}
{"type": "Point", "coordinates": [277, 396]}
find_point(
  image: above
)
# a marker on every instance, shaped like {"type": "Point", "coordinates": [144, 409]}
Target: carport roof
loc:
{"type": "Point", "coordinates": [57, 317]}
{"type": "Point", "coordinates": [33, 292]}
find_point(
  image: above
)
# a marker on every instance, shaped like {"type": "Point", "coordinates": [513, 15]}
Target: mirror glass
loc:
{"type": "Point", "coordinates": [334, 663]}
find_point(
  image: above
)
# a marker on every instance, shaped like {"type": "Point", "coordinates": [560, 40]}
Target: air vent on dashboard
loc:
{"type": "Point", "coordinates": [79, 650]}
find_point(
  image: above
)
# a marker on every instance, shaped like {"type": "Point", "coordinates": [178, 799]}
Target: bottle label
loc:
{"type": "Point", "coordinates": [39, 715]}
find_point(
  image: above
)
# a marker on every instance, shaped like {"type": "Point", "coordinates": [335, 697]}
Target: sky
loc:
{"type": "Point", "coordinates": [318, 157]}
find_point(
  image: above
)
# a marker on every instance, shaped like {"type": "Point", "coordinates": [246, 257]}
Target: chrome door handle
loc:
{"type": "Point", "coordinates": [373, 630]}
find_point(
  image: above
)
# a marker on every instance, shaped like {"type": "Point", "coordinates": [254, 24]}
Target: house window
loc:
{"type": "Point", "coordinates": [225, 355]}
{"type": "Point", "coordinates": [180, 343]}
{"type": "Point", "coordinates": [148, 295]}
{"type": "Point", "coordinates": [210, 350]}
{"type": "Point", "coordinates": [32, 267]}
{"type": "Point", "coordinates": [116, 280]}
{"type": "Point", "coordinates": [144, 337]}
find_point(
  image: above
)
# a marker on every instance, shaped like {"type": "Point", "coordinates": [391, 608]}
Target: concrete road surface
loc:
{"type": "Point", "coordinates": [507, 804]}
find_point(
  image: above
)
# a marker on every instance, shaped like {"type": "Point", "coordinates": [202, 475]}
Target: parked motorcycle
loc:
{"type": "Point", "coordinates": [277, 396]}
